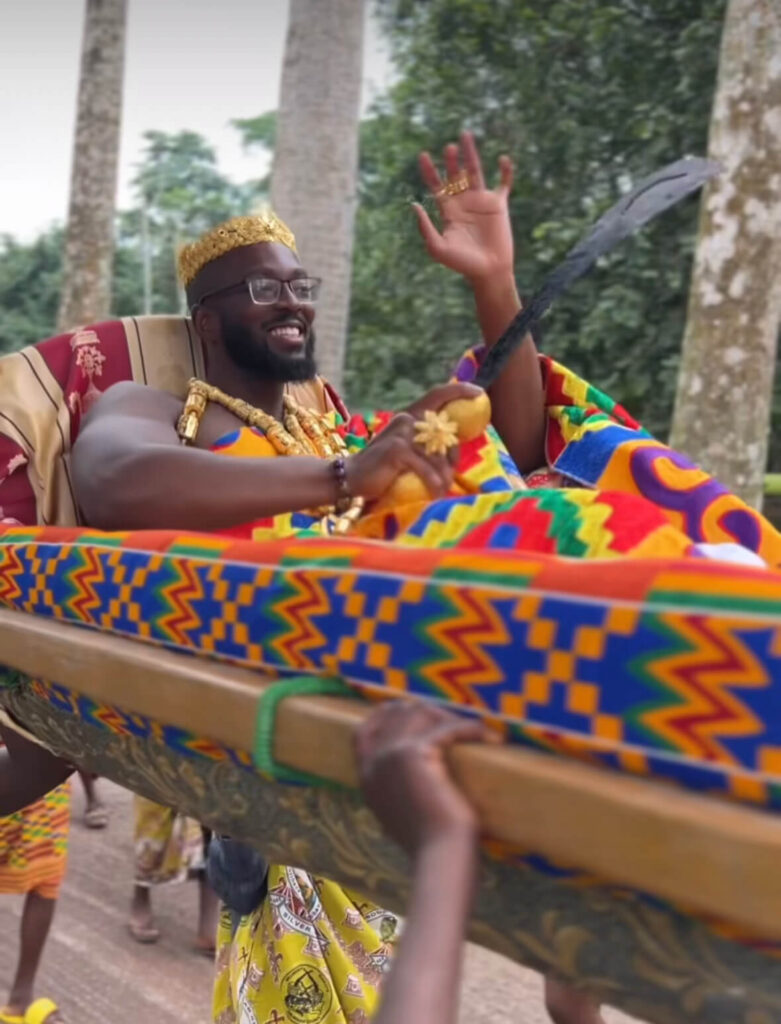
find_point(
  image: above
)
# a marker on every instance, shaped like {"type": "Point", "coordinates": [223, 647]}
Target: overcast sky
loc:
{"type": "Point", "coordinates": [191, 64]}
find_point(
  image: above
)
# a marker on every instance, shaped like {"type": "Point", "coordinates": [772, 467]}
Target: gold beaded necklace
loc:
{"type": "Point", "coordinates": [302, 432]}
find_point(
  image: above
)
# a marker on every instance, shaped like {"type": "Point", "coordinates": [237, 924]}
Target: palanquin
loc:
{"type": "Point", "coordinates": [631, 821]}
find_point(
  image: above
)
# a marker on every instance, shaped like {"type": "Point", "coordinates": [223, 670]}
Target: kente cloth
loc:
{"type": "Point", "coordinates": [506, 515]}
{"type": "Point", "coordinates": [666, 668]}
{"type": "Point", "coordinates": [312, 952]}
{"type": "Point", "coordinates": [592, 441]}
{"type": "Point", "coordinates": [625, 493]}
{"type": "Point", "coordinates": [484, 466]}
{"type": "Point", "coordinates": [34, 846]}
{"type": "Point", "coordinates": [168, 846]}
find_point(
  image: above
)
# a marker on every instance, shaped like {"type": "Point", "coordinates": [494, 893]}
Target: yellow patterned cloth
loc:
{"type": "Point", "coordinates": [312, 953]}
{"type": "Point", "coordinates": [34, 846]}
{"type": "Point", "coordinates": [168, 846]}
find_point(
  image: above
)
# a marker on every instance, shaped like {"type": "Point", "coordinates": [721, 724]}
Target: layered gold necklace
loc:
{"type": "Point", "coordinates": [301, 432]}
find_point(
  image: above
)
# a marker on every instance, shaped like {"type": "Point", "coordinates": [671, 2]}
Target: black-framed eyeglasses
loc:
{"type": "Point", "coordinates": [265, 291]}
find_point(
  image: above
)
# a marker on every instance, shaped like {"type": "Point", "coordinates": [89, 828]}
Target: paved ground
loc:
{"type": "Point", "coordinates": [98, 973]}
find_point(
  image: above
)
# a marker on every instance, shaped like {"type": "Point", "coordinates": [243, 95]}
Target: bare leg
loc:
{"type": "Point", "coordinates": [36, 920]}
{"type": "Point", "coordinates": [142, 922]}
{"type": "Point", "coordinates": [568, 1005]}
{"type": "Point", "coordinates": [208, 913]}
{"type": "Point", "coordinates": [96, 814]}
{"type": "Point", "coordinates": [208, 906]}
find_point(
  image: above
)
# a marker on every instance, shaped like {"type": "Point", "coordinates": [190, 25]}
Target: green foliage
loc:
{"type": "Point", "coordinates": [29, 289]}
{"type": "Point", "coordinates": [258, 131]}
{"type": "Point", "coordinates": [181, 193]}
{"type": "Point", "coordinates": [586, 96]}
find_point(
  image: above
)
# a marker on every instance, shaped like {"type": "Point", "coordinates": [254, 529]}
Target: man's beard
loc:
{"type": "Point", "coordinates": [261, 361]}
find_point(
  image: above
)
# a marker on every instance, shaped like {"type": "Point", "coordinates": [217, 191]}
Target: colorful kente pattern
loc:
{"type": "Point", "coordinates": [592, 440]}
{"type": "Point", "coordinates": [661, 667]}
{"type": "Point", "coordinates": [484, 467]}
{"type": "Point", "coordinates": [34, 845]}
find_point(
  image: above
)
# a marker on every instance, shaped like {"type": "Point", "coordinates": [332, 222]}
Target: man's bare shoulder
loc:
{"type": "Point", "coordinates": [129, 399]}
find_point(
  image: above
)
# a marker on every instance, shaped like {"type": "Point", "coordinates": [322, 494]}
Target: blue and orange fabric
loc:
{"type": "Point", "coordinates": [663, 667]}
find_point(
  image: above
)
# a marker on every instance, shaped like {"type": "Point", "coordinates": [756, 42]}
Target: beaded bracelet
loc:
{"type": "Point", "coordinates": [343, 497]}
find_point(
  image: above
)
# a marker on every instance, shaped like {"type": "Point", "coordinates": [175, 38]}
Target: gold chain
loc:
{"type": "Point", "coordinates": [302, 432]}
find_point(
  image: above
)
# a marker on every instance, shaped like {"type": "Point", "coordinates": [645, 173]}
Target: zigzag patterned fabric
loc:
{"type": "Point", "coordinates": [662, 667]}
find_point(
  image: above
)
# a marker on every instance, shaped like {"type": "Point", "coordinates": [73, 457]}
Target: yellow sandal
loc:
{"type": "Point", "coordinates": [38, 1012]}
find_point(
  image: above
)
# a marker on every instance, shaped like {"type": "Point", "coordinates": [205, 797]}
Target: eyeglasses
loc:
{"type": "Point", "coordinates": [265, 291]}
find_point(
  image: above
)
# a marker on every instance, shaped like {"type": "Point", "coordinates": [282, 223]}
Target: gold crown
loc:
{"type": "Point", "coordinates": [232, 234]}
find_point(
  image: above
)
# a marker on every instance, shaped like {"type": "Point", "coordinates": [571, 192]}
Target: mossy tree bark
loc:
{"type": "Point", "coordinates": [723, 401]}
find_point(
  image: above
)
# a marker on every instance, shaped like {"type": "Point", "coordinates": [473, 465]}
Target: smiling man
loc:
{"type": "Point", "coordinates": [275, 339]}
{"type": "Point", "coordinates": [253, 305]}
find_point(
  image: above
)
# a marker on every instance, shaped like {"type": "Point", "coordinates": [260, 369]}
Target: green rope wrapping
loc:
{"type": "Point", "coordinates": [298, 686]}
{"type": "Point", "coordinates": [12, 680]}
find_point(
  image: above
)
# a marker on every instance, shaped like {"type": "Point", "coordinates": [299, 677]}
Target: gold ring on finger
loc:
{"type": "Point", "coordinates": [455, 186]}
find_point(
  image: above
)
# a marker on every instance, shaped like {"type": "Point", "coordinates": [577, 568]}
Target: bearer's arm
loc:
{"type": "Point", "coordinates": [423, 985]}
{"type": "Point", "coordinates": [27, 772]}
{"type": "Point", "coordinates": [401, 751]}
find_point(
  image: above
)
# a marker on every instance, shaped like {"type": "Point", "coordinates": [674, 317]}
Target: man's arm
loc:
{"type": "Point", "coordinates": [131, 472]}
{"type": "Point", "coordinates": [27, 772]}
{"type": "Point", "coordinates": [476, 241]}
{"type": "Point", "coordinates": [517, 396]}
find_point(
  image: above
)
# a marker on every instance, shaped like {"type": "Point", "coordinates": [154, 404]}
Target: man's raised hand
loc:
{"type": "Point", "coordinates": [476, 237]}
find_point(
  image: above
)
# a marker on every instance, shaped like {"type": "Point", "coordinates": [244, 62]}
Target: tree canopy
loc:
{"type": "Point", "coordinates": [585, 95]}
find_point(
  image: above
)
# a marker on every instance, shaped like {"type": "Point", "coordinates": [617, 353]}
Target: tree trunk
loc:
{"type": "Point", "coordinates": [89, 240]}
{"type": "Point", "coordinates": [315, 170]}
{"type": "Point", "coordinates": [723, 401]}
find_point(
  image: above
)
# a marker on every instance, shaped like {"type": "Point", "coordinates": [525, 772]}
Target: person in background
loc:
{"type": "Point", "coordinates": [169, 847]}
{"type": "Point", "coordinates": [34, 820]}
{"type": "Point", "coordinates": [96, 812]}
